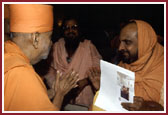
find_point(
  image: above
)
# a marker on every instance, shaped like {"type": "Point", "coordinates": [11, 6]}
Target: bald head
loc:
{"type": "Point", "coordinates": [130, 28]}
{"type": "Point", "coordinates": [129, 43]}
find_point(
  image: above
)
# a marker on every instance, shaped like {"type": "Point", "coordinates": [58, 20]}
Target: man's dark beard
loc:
{"type": "Point", "coordinates": [128, 60]}
{"type": "Point", "coordinates": [71, 43]}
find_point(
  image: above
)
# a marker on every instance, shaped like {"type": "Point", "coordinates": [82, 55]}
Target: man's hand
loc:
{"type": "Point", "coordinates": [81, 85]}
{"type": "Point", "coordinates": [141, 105]}
{"type": "Point", "coordinates": [94, 77]}
{"type": "Point", "coordinates": [138, 103]}
{"type": "Point", "coordinates": [64, 84]}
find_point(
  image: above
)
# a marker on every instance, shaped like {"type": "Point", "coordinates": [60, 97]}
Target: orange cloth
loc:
{"type": "Point", "coordinates": [23, 88]}
{"type": "Point", "coordinates": [6, 11]}
{"type": "Point", "coordinates": [30, 18]}
{"type": "Point", "coordinates": [149, 68]}
{"type": "Point", "coordinates": [86, 56]}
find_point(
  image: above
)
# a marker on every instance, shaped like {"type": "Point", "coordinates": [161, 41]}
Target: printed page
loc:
{"type": "Point", "coordinates": [116, 86]}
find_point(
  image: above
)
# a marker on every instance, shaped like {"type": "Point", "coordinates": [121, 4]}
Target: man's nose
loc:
{"type": "Point", "coordinates": [70, 29]}
{"type": "Point", "coordinates": [121, 47]}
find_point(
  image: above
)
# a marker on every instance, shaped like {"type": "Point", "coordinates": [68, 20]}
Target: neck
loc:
{"type": "Point", "coordinates": [71, 49]}
{"type": "Point", "coordinates": [25, 48]}
{"type": "Point", "coordinates": [71, 46]}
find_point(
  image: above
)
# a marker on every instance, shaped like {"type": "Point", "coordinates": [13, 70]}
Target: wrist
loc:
{"type": "Point", "coordinates": [58, 99]}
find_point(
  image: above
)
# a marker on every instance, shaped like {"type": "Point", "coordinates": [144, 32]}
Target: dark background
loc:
{"type": "Point", "coordinates": [93, 17]}
{"type": "Point", "coordinates": [96, 20]}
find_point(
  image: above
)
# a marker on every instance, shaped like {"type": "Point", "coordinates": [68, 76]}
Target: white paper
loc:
{"type": "Point", "coordinates": [116, 86]}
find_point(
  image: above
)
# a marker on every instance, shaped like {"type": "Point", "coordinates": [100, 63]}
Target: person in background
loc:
{"type": "Point", "coordinates": [73, 51]}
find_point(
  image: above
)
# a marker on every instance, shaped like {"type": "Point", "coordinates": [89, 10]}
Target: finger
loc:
{"type": "Point", "coordinates": [71, 76]}
{"type": "Point", "coordinates": [67, 75]}
{"type": "Point", "coordinates": [71, 87]}
{"type": "Point", "coordinates": [75, 79]}
{"type": "Point", "coordinates": [138, 99]}
{"type": "Point", "coordinates": [57, 77]}
{"type": "Point", "coordinates": [53, 85]}
{"type": "Point", "coordinates": [66, 78]}
{"type": "Point", "coordinates": [74, 85]}
{"type": "Point", "coordinates": [57, 80]}
{"type": "Point", "coordinates": [128, 106]}
{"type": "Point", "coordinates": [125, 105]}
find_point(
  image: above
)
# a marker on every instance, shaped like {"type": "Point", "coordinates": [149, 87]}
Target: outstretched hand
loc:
{"type": "Point", "coordinates": [63, 84]}
{"type": "Point", "coordinates": [94, 77]}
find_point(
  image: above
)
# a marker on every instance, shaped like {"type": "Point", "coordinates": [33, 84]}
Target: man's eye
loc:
{"type": "Point", "coordinates": [127, 42]}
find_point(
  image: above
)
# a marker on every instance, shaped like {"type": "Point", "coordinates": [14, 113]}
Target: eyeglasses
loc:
{"type": "Point", "coordinates": [74, 27]}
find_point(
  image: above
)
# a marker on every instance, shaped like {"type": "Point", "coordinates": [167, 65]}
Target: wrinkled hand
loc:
{"type": "Point", "coordinates": [141, 105]}
{"type": "Point", "coordinates": [94, 77]}
{"type": "Point", "coordinates": [63, 84]}
{"type": "Point", "coordinates": [135, 106]}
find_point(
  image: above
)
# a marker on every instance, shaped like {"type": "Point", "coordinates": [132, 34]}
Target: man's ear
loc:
{"type": "Point", "coordinates": [35, 39]}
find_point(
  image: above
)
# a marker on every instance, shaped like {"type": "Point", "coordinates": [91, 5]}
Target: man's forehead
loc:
{"type": "Point", "coordinates": [130, 27]}
{"type": "Point", "coordinates": [71, 22]}
{"type": "Point", "coordinates": [128, 31]}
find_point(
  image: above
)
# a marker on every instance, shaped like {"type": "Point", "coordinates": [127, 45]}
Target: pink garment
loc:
{"type": "Point", "coordinates": [86, 56]}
